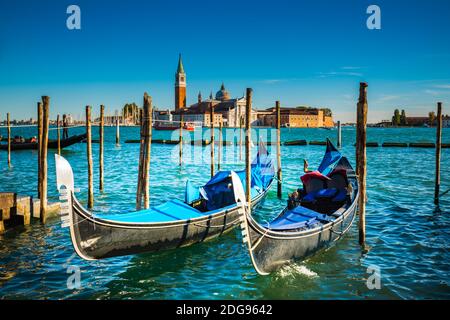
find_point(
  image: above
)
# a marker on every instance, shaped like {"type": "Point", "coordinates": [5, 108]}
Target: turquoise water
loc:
{"type": "Point", "coordinates": [409, 238]}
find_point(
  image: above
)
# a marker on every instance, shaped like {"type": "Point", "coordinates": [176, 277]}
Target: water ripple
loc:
{"type": "Point", "coordinates": [408, 238]}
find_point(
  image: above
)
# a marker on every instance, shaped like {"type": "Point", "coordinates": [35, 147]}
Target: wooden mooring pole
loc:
{"type": "Point", "coordinates": [58, 135]}
{"type": "Point", "coordinates": [219, 150]}
{"type": "Point", "coordinates": [89, 158]}
{"type": "Point", "coordinates": [101, 146]}
{"type": "Point", "coordinates": [438, 153]}
{"type": "Point", "coordinates": [143, 187]}
{"type": "Point", "coordinates": [148, 142]}
{"type": "Point", "coordinates": [248, 136]}
{"type": "Point", "coordinates": [241, 120]}
{"type": "Point", "coordinates": [8, 123]}
{"type": "Point", "coordinates": [43, 157]}
{"type": "Point", "coordinates": [339, 136]}
{"type": "Point", "coordinates": [212, 136]}
{"type": "Point", "coordinates": [141, 159]}
{"type": "Point", "coordinates": [180, 143]}
{"type": "Point", "coordinates": [361, 163]}
{"type": "Point", "coordinates": [117, 129]}
{"type": "Point", "coordinates": [39, 125]}
{"type": "Point", "coordinates": [278, 126]}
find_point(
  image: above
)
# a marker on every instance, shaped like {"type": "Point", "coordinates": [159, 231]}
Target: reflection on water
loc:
{"type": "Point", "coordinates": [409, 239]}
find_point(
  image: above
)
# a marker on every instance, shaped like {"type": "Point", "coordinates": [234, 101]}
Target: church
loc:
{"type": "Point", "coordinates": [228, 111]}
{"type": "Point", "coordinates": [231, 111]}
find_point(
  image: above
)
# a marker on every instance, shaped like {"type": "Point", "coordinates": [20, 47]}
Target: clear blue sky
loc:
{"type": "Point", "coordinates": [300, 52]}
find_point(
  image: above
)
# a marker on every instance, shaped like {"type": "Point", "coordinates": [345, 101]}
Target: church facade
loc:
{"type": "Point", "coordinates": [228, 111]}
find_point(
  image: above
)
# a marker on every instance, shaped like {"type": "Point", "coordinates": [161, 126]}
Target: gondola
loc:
{"type": "Point", "coordinates": [205, 213]}
{"type": "Point", "coordinates": [52, 144]}
{"type": "Point", "coordinates": [322, 213]}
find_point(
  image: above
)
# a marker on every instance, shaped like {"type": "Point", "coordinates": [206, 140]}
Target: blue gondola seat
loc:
{"type": "Point", "coordinates": [298, 218]}
{"type": "Point", "coordinates": [326, 193]}
{"type": "Point", "coordinates": [341, 196]}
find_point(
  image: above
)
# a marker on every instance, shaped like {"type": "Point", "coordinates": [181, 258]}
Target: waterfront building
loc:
{"type": "Point", "coordinates": [417, 121]}
{"type": "Point", "coordinates": [299, 117]}
{"type": "Point", "coordinates": [446, 121]}
{"type": "Point", "coordinates": [230, 110]}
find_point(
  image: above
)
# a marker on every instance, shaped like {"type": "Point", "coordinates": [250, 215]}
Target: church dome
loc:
{"type": "Point", "coordinates": [222, 94]}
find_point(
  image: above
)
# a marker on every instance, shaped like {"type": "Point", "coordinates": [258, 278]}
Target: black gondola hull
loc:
{"type": "Point", "coordinates": [96, 239]}
{"type": "Point", "coordinates": [52, 144]}
{"type": "Point", "coordinates": [276, 249]}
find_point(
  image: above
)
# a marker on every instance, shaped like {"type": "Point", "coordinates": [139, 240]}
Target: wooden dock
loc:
{"type": "Point", "coordinates": [19, 210]}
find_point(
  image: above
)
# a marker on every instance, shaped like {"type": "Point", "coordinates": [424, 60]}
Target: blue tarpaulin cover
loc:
{"type": "Point", "coordinates": [219, 190]}
{"type": "Point", "coordinates": [172, 210]}
{"type": "Point", "coordinates": [192, 192]}
{"type": "Point", "coordinates": [331, 158]}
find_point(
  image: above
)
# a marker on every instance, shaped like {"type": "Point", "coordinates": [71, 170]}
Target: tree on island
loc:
{"type": "Point", "coordinates": [131, 110]}
{"type": "Point", "coordinates": [327, 112]}
{"type": "Point", "coordinates": [396, 119]}
{"type": "Point", "coordinates": [403, 121]}
{"type": "Point", "coordinates": [431, 117]}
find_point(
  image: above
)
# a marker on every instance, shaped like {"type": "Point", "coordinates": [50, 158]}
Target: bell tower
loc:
{"type": "Point", "coordinates": [180, 86]}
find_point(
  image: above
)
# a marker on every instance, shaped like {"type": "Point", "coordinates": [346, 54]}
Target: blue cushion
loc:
{"type": "Point", "coordinates": [299, 217]}
{"type": "Point", "coordinates": [310, 197]}
{"type": "Point", "coordinates": [172, 210]}
{"type": "Point", "coordinates": [305, 212]}
{"type": "Point", "coordinates": [326, 193]}
{"type": "Point", "coordinates": [290, 221]}
{"type": "Point", "coordinates": [341, 196]}
{"type": "Point", "coordinates": [320, 194]}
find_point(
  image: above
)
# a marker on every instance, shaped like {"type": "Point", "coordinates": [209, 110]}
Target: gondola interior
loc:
{"type": "Point", "coordinates": [325, 194]}
{"type": "Point", "coordinates": [321, 200]}
{"type": "Point", "coordinates": [214, 196]}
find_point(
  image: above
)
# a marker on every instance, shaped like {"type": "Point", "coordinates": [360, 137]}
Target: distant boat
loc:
{"type": "Point", "coordinates": [52, 144]}
{"type": "Point", "coordinates": [322, 214]}
{"type": "Point", "coordinates": [173, 126]}
{"type": "Point", "coordinates": [206, 212]}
